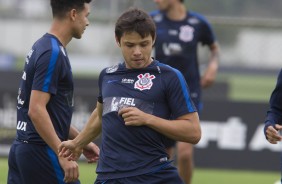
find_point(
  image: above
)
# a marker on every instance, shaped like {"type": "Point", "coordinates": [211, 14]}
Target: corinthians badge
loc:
{"type": "Point", "coordinates": [144, 81]}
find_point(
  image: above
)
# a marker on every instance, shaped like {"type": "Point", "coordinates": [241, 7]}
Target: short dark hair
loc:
{"type": "Point", "coordinates": [135, 20]}
{"type": "Point", "coordinates": [181, 1]}
{"type": "Point", "coordinates": [61, 7]}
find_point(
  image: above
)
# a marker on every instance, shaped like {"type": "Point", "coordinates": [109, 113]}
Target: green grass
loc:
{"type": "Point", "coordinates": [215, 176]}
{"type": "Point", "coordinates": [201, 176]}
{"type": "Point", "coordinates": [247, 87]}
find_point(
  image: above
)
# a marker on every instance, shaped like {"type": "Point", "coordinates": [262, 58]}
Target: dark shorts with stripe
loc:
{"type": "Point", "coordinates": [168, 175]}
{"type": "Point", "coordinates": [34, 164]}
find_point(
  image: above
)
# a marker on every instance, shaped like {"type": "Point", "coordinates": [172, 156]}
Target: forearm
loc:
{"type": "Point", "coordinates": [73, 132]}
{"type": "Point", "coordinates": [213, 60]}
{"type": "Point", "coordinates": [90, 131]}
{"type": "Point", "coordinates": [211, 71]}
{"type": "Point", "coordinates": [186, 130]}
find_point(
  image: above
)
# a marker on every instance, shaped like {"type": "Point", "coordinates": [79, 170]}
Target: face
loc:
{"type": "Point", "coordinates": [81, 21]}
{"type": "Point", "coordinates": [136, 50]}
{"type": "Point", "coordinates": [163, 5]}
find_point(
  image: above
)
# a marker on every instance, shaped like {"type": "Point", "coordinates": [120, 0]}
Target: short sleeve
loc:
{"type": "Point", "coordinates": [47, 67]}
{"type": "Point", "coordinates": [207, 33]}
{"type": "Point", "coordinates": [100, 82]}
{"type": "Point", "coordinates": [178, 95]}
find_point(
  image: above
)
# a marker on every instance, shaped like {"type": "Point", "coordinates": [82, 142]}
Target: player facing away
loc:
{"type": "Point", "coordinates": [179, 33]}
{"type": "Point", "coordinates": [45, 103]}
{"type": "Point", "coordinates": [273, 120]}
{"type": "Point", "coordinates": [141, 102]}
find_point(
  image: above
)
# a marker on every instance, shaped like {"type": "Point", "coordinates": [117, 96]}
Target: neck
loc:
{"type": "Point", "coordinates": [59, 29]}
{"type": "Point", "coordinates": [177, 12]}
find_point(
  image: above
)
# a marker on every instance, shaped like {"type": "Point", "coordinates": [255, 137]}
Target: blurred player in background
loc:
{"type": "Point", "coordinates": [136, 100]}
{"type": "Point", "coordinates": [179, 33]}
{"type": "Point", "coordinates": [273, 120]}
{"type": "Point", "coordinates": [45, 103]}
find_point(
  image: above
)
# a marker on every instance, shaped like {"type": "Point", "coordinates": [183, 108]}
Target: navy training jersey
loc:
{"type": "Point", "coordinates": [177, 42]}
{"type": "Point", "coordinates": [134, 150]}
{"type": "Point", "coordinates": [47, 69]}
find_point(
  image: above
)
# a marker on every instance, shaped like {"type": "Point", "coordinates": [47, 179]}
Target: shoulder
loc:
{"type": "Point", "coordinates": [168, 70]}
{"type": "Point", "coordinates": [109, 70]}
{"type": "Point", "coordinates": [46, 44]}
{"type": "Point", "coordinates": [194, 16]}
{"type": "Point", "coordinates": [157, 15]}
{"type": "Point", "coordinates": [154, 13]}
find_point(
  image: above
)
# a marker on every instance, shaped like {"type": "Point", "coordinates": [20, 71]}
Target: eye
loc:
{"type": "Point", "coordinates": [129, 45]}
{"type": "Point", "coordinates": [144, 44]}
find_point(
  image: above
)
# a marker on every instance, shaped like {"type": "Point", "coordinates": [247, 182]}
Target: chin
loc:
{"type": "Point", "coordinates": [77, 36]}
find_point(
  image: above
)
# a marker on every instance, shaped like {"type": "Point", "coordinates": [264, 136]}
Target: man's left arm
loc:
{"type": "Point", "coordinates": [185, 128]}
{"type": "Point", "coordinates": [210, 73]}
{"type": "Point", "coordinates": [90, 151]}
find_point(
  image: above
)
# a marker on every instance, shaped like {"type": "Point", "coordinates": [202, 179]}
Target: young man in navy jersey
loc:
{"type": "Point", "coordinates": [45, 103]}
{"type": "Point", "coordinates": [273, 120]}
{"type": "Point", "coordinates": [141, 102]}
{"type": "Point", "coordinates": [178, 34]}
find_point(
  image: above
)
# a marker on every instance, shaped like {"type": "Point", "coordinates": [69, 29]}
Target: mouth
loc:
{"type": "Point", "coordinates": [138, 60]}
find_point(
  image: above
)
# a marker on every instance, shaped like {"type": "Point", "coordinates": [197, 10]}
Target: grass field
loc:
{"type": "Point", "coordinates": [249, 87]}
{"type": "Point", "coordinates": [201, 176]}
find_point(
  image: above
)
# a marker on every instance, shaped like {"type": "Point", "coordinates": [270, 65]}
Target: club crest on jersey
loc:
{"type": "Point", "coordinates": [186, 33]}
{"type": "Point", "coordinates": [144, 81]}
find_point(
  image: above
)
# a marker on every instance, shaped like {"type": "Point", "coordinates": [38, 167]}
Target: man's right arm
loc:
{"type": "Point", "coordinates": [73, 148]}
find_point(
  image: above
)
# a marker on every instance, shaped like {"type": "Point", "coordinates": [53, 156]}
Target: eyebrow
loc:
{"type": "Point", "coordinates": [129, 42]}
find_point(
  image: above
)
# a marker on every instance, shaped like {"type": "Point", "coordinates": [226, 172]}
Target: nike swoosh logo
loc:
{"type": "Point", "coordinates": [111, 81]}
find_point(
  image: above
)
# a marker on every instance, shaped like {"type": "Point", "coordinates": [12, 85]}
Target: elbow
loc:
{"type": "Point", "coordinates": [32, 112]}
{"type": "Point", "coordinates": [197, 137]}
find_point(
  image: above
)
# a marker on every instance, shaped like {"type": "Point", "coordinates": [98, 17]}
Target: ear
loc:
{"type": "Point", "coordinates": [73, 14]}
{"type": "Point", "coordinates": [117, 41]}
{"type": "Point", "coordinates": [153, 42]}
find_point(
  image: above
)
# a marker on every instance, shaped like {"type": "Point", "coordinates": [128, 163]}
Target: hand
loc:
{"type": "Point", "coordinates": [133, 116]}
{"type": "Point", "coordinates": [272, 134]}
{"type": "Point", "coordinates": [91, 152]}
{"type": "Point", "coordinates": [70, 150]}
{"type": "Point", "coordinates": [70, 169]}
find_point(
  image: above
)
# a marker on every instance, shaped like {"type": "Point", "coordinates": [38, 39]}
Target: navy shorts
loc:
{"type": "Point", "coordinates": [34, 164]}
{"type": "Point", "coordinates": [167, 175]}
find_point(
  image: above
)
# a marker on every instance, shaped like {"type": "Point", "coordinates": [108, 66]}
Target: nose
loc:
{"type": "Point", "coordinates": [137, 51]}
